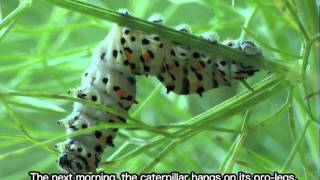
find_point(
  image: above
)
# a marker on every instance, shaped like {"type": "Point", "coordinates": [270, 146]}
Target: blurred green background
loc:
{"type": "Point", "coordinates": [44, 48]}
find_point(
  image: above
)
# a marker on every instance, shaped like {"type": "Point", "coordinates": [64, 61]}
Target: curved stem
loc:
{"type": "Point", "coordinates": [23, 5]}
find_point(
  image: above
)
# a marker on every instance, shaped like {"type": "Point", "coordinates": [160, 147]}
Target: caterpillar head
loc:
{"type": "Point", "coordinates": [249, 48]}
{"type": "Point", "coordinates": [74, 163]}
{"type": "Point", "coordinates": [76, 159]}
{"type": "Point", "coordinates": [241, 70]}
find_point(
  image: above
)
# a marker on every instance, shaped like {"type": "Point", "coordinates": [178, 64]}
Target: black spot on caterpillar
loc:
{"type": "Point", "coordinates": [110, 80]}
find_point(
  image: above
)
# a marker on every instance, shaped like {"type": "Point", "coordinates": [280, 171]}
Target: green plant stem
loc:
{"type": "Point", "coordinates": [34, 107]}
{"type": "Point", "coordinates": [21, 126]}
{"type": "Point", "coordinates": [308, 108]}
{"type": "Point", "coordinates": [73, 134]}
{"type": "Point", "coordinates": [168, 149]}
{"type": "Point", "coordinates": [0, 13]}
{"type": "Point", "coordinates": [144, 102]}
{"type": "Point", "coordinates": [201, 127]}
{"type": "Point", "coordinates": [295, 137]}
{"type": "Point", "coordinates": [239, 142]}
{"type": "Point", "coordinates": [306, 54]}
{"type": "Point", "coordinates": [312, 95]}
{"type": "Point", "coordinates": [302, 113]}
{"type": "Point", "coordinates": [113, 125]}
{"type": "Point", "coordinates": [247, 23]}
{"type": "Point", "coordinates": [227, 157]}
{"type": "Point", "coordinates": [118, 151]}
{"type": "Point", "coordinates": [86, 102]}
{"type": "Point", "coordinates": [247, 85]}
{"type": "Point", "coordinates": [5, 30]}
{"type": "Point", "coordinates": [23, 5]}
{"type": "Point", "coordinates": [295, 148]}
{"type": "Point", "coordinates": [252, 166]}
{"type": "Point", "coordinates": [147, 127]}
{"type": "Point", "coordinates": [48, 142]}
{"type": "Point", "coordinates": [12, 137]}
{"type": "Point", "coordinates": [33, 60]}
{"type": "Point", "coordinates": [216, 50]}
{"type": "Point", "coordinates": [272, 117]}
{"type": "Point", "coordinates": [297, 20]}
{"type": "Point", "coordinates": [159, 156]}
{"type": "Point", "coordinates": [61, 97]}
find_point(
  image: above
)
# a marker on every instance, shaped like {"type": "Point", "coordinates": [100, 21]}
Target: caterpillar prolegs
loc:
{"type": "Point", "coordinates": [110, 80]}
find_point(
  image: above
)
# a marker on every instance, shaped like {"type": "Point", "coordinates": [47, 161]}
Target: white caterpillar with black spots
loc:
{"type": "Point", "coordinates": [110, 80]}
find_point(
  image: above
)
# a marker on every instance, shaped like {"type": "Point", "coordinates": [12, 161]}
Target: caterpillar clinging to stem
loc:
{"type": "Point", "coordinates": [110, 80]}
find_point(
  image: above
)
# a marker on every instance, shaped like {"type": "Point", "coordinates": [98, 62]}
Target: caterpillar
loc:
{"type": "Point", "coordinates": [110, 80]}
